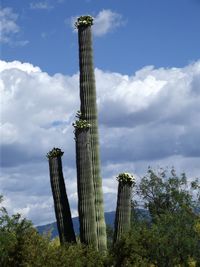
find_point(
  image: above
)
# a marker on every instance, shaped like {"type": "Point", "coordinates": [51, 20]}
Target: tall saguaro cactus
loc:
{"type": "Point", "coordinates": [89, 113]}
{"type": "Point", "coordinates": [61, 204]}
{"type": "Point", "coordinates": [86, 208]}
{"type": "Point", "coordinates": [123, 210]}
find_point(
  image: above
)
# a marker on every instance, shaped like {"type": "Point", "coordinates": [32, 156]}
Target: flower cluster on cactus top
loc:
{"type": "Point", "coordinates": [55, 152]}
{"type": "Point", "coordinates": [126, 178]}
{"type": "Point", "coordinates": [84, 21]}
{"type": "Point", "coordinates": [81, 124]}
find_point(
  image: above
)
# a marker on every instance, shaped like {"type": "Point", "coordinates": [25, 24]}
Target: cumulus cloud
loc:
{"type": "Point", "coordinates": [36, 108]}
{"type": "Point", "coordinates": [149, 118]}
{"type": "Point", "coordinates": [105, 21]}
{"type": "Point", "coordinates": [9, 27]}
{"type": "Point", "coordinates": [26, 190]}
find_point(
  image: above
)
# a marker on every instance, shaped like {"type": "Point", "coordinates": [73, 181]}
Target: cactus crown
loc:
{"type": "Point", "coordinates": [55, 152]}
{"type": "Point", "coordinates": [84, 21]}
{"type": "Point", "coordinates": [80, 123]}
{"type": "Point", "coordinates": [126, 178]}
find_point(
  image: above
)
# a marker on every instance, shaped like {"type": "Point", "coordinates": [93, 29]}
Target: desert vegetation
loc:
{"type": "Point", "coordinates": [166, 232]}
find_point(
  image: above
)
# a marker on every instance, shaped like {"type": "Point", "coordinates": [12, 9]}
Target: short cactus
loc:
{"type": "Point", "coordinates": [123, 210]}
{"type": "Point", "coordinates": [61, 203]}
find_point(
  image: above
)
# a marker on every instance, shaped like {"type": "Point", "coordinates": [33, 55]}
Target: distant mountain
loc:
{"type": "Point", "coordinates": [52, 227]}
{"type": "Point", "coordinates": [109, 218]}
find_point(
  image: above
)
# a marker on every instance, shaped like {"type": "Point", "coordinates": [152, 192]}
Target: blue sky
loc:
{"type": "Point", "coordinates": [156, 32]}
{"type": "Point", "coordinates": [147, 68]}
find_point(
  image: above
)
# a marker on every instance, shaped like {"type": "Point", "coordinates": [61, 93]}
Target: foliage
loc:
{"type": "Point", "coordinates": [110, 235]}
{"type": "Point", "coordinates": [166, 192]}
{"type": "Point", "coordinates": [21, 245]}
{"type": "Point", "coordinates": [13, 230]}
{"type": "Point", "coordinates": [172, 237]}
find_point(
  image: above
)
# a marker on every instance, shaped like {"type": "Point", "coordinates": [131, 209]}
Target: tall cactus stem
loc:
{"type": "Point", "coordinates": [86, 208]}
{"type": "Point", "coordinates": [89, 113]}
{"type": "Point", "coordinates": [61, 203]}
{"type": "Point", "coordinates": [123, 210]}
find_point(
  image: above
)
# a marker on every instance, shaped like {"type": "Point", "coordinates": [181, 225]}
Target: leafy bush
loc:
{"type": "Point", "coordinates": [22, 245]}
{"type": "Point", "coordinates": [170, 237]}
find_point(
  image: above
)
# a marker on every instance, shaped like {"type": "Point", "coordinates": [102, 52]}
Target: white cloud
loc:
{"type": "Point", "coordinates": [105, 21]}
{"type": "Point", "coordinates": [42, 106]}
{"type": "Point", "coordinates": [44, 5]}
{"type": "Point", "coordinates": [9, 27]}
{"type": "Point", "coordinates": [149, 118]}
{"type": "Point", "coordinates": [25, 67]}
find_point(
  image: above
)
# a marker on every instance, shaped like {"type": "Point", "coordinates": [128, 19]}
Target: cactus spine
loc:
{"type": "Point", "coordinates": [86, 208]}
{"type": "Point", "coordinates": [123, 210]}
{"type": "Point", "coordinates": [89, 113]}
{"type": "Point", "coordinates": [61, 204]}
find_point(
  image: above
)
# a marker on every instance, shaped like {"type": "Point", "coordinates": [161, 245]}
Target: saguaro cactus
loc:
{"type": "Point", "coordinates": [86, 208]}
{"type": "Point", "coordinates": [123, 210]}
{"type": "Point", "coordinates": [61, 204]}
{"type": "Point", "coordinates": [89, 113]}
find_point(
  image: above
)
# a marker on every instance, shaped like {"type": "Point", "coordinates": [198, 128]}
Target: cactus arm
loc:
{"type": "Point", "coordinates": [61, 203]}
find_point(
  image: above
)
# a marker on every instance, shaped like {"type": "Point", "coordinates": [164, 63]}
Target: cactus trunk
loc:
{"type": "Point", "coordinates": [123, 211]}
{"type": "Point", "coordinates": [61, 204]}
{"type": "Point", "coordinates": [89, 113]}
{"type": "Point", "coordinates": [86, 208]}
